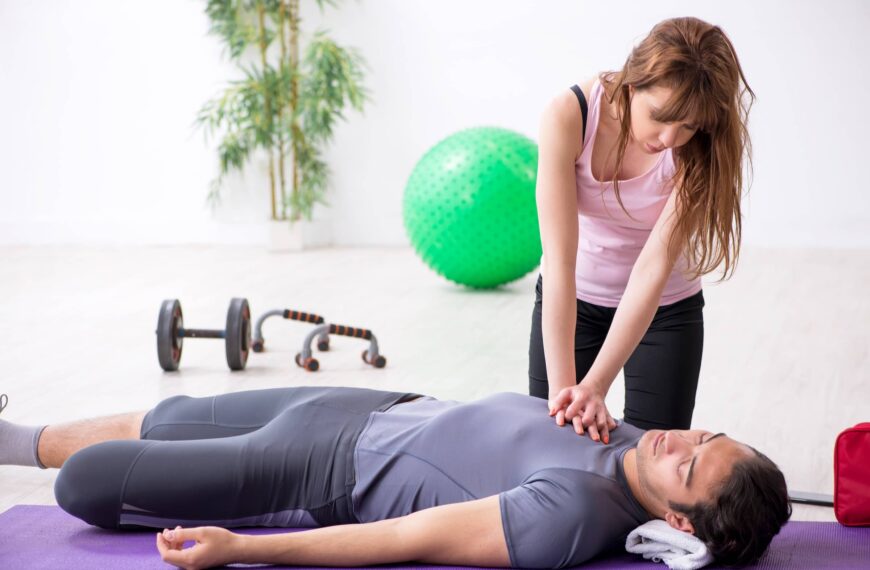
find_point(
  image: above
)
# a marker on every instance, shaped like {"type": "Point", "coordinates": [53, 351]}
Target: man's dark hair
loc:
{"type": "Point", "coordinates": [745, 514]}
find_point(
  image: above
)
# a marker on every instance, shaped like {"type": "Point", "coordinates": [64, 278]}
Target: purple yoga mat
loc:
{"type": "Point", "coordinates": [46, 537]}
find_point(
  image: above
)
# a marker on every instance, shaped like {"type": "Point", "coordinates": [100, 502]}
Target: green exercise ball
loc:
{"type": "Point", "coordinates": [469, 207]}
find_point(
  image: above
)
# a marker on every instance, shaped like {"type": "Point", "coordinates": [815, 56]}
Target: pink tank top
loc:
{"type": "Point", "coordinates": [610, 242]}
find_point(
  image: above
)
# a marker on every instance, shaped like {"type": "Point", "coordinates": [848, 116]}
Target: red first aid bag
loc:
{"type": "Point", "coordinates": [852, 476]}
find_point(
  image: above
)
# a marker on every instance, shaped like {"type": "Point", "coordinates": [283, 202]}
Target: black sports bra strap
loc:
{"type": "Point", "coordinates": [582, 99]}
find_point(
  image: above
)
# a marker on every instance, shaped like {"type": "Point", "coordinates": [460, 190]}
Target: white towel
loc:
{"type": "Point", "coordinates": [659, 542]}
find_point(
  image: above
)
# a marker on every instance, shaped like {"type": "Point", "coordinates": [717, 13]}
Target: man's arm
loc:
{"type": "Point", "coordinates": [468, 534]}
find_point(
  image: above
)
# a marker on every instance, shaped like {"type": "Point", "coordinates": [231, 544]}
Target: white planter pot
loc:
{"type": "Point", "coordinates": [299, 236]}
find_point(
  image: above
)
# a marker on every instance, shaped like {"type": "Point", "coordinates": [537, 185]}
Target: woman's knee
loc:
{"type": "Point", "coordinates": [539, 388]}
{"type": "Point", "coordinates": [660, 419]}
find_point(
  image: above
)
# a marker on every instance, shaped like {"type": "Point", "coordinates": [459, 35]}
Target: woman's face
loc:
{"type": "Point", "coordinates": [651, 135]}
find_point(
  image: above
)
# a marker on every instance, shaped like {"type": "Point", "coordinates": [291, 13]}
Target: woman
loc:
{"type": "Point", "coordinates": [634, 208]}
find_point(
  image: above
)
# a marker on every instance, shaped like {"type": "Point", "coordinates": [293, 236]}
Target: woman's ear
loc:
{"type": "Point", "coordinates": [679, 521]}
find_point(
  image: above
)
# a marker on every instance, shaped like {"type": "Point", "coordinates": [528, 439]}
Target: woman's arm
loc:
{"type": "Point", "coordinates": [465, 534]}
{"type": "Point", "coordinates": [635, 312]}
{"type": "Point", "coordinates": [559, 144]}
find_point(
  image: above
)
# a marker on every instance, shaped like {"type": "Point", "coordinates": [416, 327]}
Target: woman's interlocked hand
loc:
{"type": "Point", "coordinates": [583, 406]}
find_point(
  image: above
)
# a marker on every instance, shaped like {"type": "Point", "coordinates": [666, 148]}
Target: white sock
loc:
{"type": "Point", "coordinates": [18, 444]}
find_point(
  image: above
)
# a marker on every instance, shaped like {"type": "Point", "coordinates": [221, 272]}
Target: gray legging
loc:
{"type": "Point", "coordinates": [279, 457]}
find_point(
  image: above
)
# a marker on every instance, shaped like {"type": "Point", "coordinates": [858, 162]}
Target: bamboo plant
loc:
{"type": "Point", "coordinates": [284, 105]}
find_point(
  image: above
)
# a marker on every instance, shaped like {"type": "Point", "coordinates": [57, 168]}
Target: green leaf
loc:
{"type": "Point", "coordinates": [332, 81]}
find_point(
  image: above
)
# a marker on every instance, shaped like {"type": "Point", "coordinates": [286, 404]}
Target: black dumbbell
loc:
{"type": "Point", "coordinates": [171, 334]}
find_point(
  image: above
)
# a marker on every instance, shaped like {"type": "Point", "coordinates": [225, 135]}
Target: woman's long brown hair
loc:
{"type": "Point", "coordinates": [697, 61]}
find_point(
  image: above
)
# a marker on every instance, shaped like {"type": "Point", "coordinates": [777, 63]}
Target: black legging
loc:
{"type": "Point", "coordinates": [661, 376]}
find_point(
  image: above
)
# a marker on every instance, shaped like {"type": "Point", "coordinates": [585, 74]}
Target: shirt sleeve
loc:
{"type": "Point", "coordinates": [550, 520]}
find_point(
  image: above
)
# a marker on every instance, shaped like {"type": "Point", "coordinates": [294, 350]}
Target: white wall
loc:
{"type": "Point", "coordinates": [98, 98]}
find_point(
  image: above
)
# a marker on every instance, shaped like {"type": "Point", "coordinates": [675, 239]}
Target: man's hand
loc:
{"type": "Point", "coordinates": [213, 547]}
{"type": "Point", "coordinates": [583, 407]}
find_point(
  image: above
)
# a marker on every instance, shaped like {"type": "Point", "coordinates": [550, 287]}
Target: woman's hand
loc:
{"type": "Point", "coordinates": [213, 547]}
{"type": "Point", "coordinates": [584, 407]}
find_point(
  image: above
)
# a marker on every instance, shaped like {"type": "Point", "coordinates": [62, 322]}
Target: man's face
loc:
{"type": "Point", "coordinates": [685, 466]}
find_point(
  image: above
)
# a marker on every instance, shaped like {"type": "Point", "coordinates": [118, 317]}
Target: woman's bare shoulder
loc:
{"type": "Point", "coordinates": [564, 115]}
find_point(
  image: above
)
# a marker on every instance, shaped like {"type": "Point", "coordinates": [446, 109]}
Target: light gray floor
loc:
{"type": "Point", "coordinates": [785, 365]}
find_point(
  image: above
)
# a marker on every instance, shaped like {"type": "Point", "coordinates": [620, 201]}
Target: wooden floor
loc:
{"type": "Point", "coordinates": [786, 364]}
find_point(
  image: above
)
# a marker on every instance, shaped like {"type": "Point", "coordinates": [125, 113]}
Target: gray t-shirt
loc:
{"type": "Point", "coordinates": [564, 498]}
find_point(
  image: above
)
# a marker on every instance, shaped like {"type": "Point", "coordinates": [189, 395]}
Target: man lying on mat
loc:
{"type": "Point", "coordinates": [399, 477]}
